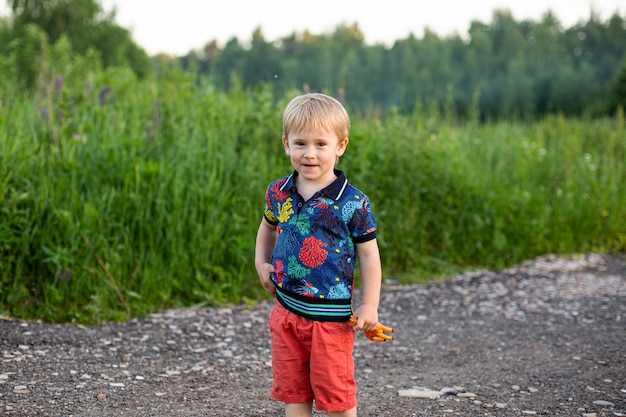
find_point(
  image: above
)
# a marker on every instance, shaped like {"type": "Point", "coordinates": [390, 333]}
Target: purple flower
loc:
{"type": "Point", "coordinates": [58, 85]}
{"type": "Point", "coordinates": [65, 275]}
{"type": "Point", "coordinates": [43, 113]}
{"type": "Point", "coordinates": [103, 95]}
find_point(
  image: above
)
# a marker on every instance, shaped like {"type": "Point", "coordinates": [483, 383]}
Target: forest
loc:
{"type": "Point", "coordinates": [130, 183]}
{"type": "Point", "coordinates": [499, 69]}
{"type": "Point", "coordinates": [505, 68]}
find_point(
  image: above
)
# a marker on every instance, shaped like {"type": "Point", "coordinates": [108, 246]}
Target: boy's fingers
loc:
{"type": "Point", "coordinates": [355, 322]}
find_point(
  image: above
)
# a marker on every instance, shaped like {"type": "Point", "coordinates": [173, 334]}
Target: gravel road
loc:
{"type": "Point", "coordinates": [546, 337]}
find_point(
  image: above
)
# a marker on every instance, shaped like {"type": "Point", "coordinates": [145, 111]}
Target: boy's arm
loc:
{"type": "Point", "coordinates": [371, 276]}
{"type": "Point", "coordinates": [266, 239]}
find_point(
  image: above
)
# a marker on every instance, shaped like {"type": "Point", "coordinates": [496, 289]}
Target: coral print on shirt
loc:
{"type": "Point", "coordinates": [316, 255]}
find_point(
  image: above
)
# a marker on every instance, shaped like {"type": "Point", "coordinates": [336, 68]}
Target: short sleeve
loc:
{"type": "Point", "coordinates": [268, 213]}
{"type": "Point", "coordinates": [362, 224]}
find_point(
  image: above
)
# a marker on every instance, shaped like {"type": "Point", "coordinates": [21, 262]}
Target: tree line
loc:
{"type": "Point", "coordinates": [502, 69]}
{"type": "Point", "coordinates": [505, 68]}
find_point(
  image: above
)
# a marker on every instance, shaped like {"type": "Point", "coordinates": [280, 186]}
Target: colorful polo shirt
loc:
{"type": "Point", "coordinates": [315, 253]}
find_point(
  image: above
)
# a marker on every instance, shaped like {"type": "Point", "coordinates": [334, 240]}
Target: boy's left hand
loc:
{"type": "Point", "coordinates": [378, 333]}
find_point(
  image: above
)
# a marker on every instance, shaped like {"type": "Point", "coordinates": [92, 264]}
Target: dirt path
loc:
{"type": "Point", "coordinates": [547, 337]}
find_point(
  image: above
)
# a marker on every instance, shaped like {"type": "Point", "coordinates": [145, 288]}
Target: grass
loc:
{"type": "Point", "coordinates": [115, 205]}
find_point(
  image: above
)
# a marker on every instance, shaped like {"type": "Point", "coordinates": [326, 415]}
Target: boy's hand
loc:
{"type": "Point", "coordinates": [367, 317]}
{"type": "Point", "coordinates": [377, 334]}
{"type": "Point", "coordinates": [264, 270]}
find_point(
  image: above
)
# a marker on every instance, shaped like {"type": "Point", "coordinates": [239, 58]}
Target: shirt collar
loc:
{"type": "Point", "coordinates": [335, 190]}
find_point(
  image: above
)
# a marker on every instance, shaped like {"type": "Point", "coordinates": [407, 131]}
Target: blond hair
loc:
{"type": "Point", "coordinates": [317, 112]}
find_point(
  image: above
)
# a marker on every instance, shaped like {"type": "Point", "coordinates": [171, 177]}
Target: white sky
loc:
{"type": "Point", "coordinates": [177, 26]}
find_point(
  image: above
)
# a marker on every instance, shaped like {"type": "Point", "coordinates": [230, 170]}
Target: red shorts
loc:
{"type": "Point", "coordinates": [312, 360]}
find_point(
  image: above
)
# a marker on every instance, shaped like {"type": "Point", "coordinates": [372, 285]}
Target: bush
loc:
{"type": "Point", "coordinates": [121, 197]}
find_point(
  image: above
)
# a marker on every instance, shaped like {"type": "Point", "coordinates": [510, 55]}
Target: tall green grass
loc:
{"type": "Point", "coordinates": [491, 195]}
{"type": "Point", "coordinates": [118, 203]}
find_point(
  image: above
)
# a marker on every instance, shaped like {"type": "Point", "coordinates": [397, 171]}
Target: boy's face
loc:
{"type": "Point", "coordinates": [314, 154]}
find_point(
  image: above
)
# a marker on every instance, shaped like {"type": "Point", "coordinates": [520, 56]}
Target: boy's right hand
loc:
{"type": "Point", "coordinates": [265, 270]}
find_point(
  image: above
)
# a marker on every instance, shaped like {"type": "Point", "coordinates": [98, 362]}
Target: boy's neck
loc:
{"type": "Point", "coordinates": [307, 189]}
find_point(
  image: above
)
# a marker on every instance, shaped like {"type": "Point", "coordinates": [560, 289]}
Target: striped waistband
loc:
{"type": "Point", "coordinates": [315, 308]}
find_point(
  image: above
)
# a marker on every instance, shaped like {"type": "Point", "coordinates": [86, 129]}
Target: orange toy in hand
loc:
{"type": "Point", "coordinates": [378, 334]}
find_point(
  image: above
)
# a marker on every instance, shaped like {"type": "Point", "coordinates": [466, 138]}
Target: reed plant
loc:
{"type": "Point", "coordinates": [119, 197]}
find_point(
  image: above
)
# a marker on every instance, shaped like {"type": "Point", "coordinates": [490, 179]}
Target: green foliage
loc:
{"type": "Point", "coordinates": [81, 23]}
{"type": "Point", "coordinates": [619, 89]}
{"type": "Point", "coordinates": [120, 197]}
{"type": "Point", "coordinates": [498, 70]}
{"type": "Point", "coordinates": [522, 69]}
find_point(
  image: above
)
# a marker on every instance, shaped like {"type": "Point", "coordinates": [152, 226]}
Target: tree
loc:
{"type": "Point", "coordinates": [228, 64]}
{"type": "Point", "coordinates": [262, 63]}
{"type": "Point", "coordinates": [85, 25]}
{"type": "Point", "coordinates": [618, 90]}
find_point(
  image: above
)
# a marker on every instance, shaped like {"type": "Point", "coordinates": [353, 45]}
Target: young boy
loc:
{"type": "Point", "coordinates": [316, 225]}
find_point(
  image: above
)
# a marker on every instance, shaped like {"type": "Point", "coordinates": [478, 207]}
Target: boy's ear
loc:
{"type": "Point", "coordinates": [286, 145]}
{"type": "Point", "coordinates": [341, 147]}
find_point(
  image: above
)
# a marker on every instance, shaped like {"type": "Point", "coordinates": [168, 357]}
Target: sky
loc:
{"type": "Point", "coordinates": [177, 26]}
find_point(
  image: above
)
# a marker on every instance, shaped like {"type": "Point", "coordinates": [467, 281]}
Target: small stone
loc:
{"type": "Point", "coordinates": [589, 415]}
{"type": "Point", "coordinates": [101, 397]}
{"type": "Point", "coordinates": [21, 389]}
{"type": "Point", "coordinates": [532, 390]}
{"type": "Point", "coordinates": [117, 384]}
{"type": "Point", "coordinates": [160, 394]}
{"type": "Point", "coordinates": [515, 387]}
{"type": "Point", "coordinates": [466, 395]}
{"type": "Point", "coordinates": [501, 406]}
{"type": "Point", "coordinates": [448, 391]}
{"type": "Point", "coordinates": [419, 392]}
{"type": "Point", "coordinates": [139, 378]}
{"type": "Point", "coordinates": [529, 412]}
{"type": "Point", "coordinates": [604, 403]}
